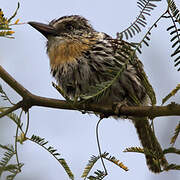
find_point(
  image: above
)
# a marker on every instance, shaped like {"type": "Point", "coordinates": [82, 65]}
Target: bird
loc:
{"type": "Point", "coordinates": [82, 60]}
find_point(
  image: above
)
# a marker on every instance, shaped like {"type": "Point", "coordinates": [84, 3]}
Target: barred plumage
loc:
{"type": "Point", "coordinates": [81, 57]}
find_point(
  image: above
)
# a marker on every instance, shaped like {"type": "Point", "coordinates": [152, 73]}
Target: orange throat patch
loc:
{"type": "Point", "coordinates": [66, 52]}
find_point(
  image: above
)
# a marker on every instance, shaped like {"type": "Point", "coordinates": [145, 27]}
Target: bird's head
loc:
{"type": "Point", "coordinates": [66, 38]}
{"type": "Point", "coordinates": [64, 26]}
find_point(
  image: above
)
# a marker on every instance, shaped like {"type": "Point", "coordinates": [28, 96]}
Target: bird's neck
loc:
{"type": "Point", "coordinates": [61, 51]}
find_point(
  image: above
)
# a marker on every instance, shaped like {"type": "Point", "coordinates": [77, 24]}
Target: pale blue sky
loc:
{"type": "Point", "coordinates": [71, 132]}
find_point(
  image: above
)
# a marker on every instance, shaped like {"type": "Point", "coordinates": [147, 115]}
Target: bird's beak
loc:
{"type": "Point", "coordinates": [44, 29]}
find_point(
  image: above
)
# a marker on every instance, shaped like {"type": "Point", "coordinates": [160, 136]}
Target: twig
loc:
{"type": "Point", "coordinates": [16, 140]}
{"type": "Point", "coordinates": [27, 124]}
{"type": "Point", "coordinates": [11, 109]}
{"type": "Point", "coordinates": [99, 147]}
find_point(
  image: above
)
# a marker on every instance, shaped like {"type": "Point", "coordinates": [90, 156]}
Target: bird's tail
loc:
{"type": "Point", "coordinates": [155, 158]}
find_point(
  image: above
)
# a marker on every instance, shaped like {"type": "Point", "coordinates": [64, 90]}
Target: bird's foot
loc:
{"type": "Point", "coordinates": [117, 107]}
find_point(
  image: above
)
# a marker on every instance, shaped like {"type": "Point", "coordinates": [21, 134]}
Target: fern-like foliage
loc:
{"type": "Point", "coordinates": [176, 133]}
{"type": "Point", "coordinates": [66, 167]}
{"type": "Point", "coordinates": [171, 150]}
{"type": "Point", "coordinates": [5, 29]}
{"type": "Point", "coordinates": [150, 153]}
{"type": "Point", "coordinates": [91, 163]}
{"type": "Point", "coordinates": [172, 93]}
{"type": "Point", "coordinates": [172, 167]}
{"type": "Point", "coordinates": [13, 169]}
{"type": "Point", "coordinates": [145, 40]}
{"type": "Point", "coordinates": [101, 174]}
{"type": "Point", "coordinates": [174, 30]}
{"type": "Point", "coordinates": [96, 92]}
{"type": "Point", "coordinates": [100, 90]}
{"type": "Point", "coordinates": [98, 175]}
{"type": "Point", "coordinates": [4, 95]}
{"type": "Point", "coordinates": [143, 151]}
{"type": "Point", "coordinates": [13, 117]}
{"type": "Point", "coordinates": [146, 6]}
{"type": "Point", "coordinates": [9, 153]}
{"type": "Point", "coordinates": [175, 11]}
{"type": "Point", "coordinates": [41, 141]}
{"type": "Point", "coordinates": [134, 149]}
{"type": "Point", "coordinates": [116, 162]}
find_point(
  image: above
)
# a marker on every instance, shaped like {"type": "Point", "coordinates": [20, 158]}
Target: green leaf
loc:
{"type": "Point", "coordinates": [4, 95]}
{"type": "Point", "coordinates": [134, 149]}
{"type": "Point", "coordinates": [94, 159]}
{"type": "Point", "coordinates": [5, 25]}
{"type": "Point", "coordinates": [91, 163]}
{"type": "Point", "coordinates": [172, 93]}
{"type": "Point", "coordinates": [171, 150]}
{"type": "Point", "coordinates": [173, 167]}
{"type": "Point", "coordinates": [116, 162]}
{"type": "Point", "coordinates": [41, 142]}
{"type": "Point", "coordinates": [176, 133]}
{"type": "Point", "coordinates": [12, 116]}
{"type": "Point", "coordinates": [66, 167]}
{"type": "Point", "coordinates": [174, 15]}
{"type": "Point", "coordinates": [100, 90]}
{"type": "Point", "coordinates": [9, 153]}
{"type": "Point", "coordinates": [145, 10]}
{"type": "Point", "coordinates": [99, 175]}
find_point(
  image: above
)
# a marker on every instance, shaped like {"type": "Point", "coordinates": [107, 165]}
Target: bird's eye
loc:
{"type": "Point", "coordinates": [69, 27]}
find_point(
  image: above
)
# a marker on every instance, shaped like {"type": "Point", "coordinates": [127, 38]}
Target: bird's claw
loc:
{"type": "Point", "coordinates": [117, 106]}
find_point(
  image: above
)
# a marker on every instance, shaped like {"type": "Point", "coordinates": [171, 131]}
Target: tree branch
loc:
{"type": "Point", "coordinates": [30, 100]}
